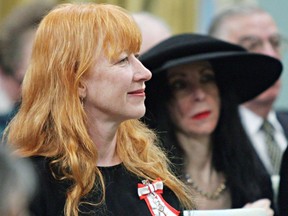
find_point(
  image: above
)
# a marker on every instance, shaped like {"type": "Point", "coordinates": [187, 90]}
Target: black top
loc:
{"type": "Point", "coordinates": [121, 193]}
{"type": "Point", "coordinates": [283, 186]}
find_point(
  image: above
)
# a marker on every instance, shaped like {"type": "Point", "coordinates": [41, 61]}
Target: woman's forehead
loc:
{"type": "Point", "coordinates": [200, 64]}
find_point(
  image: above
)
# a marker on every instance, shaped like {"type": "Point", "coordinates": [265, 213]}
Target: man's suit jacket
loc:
{"type": "Point", "coordinates": [283, 186]}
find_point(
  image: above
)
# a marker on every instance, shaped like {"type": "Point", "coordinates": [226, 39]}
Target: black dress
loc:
{"type": "Point", "coordinates": [121, 194]}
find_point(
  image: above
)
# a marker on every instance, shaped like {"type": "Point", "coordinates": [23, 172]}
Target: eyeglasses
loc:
{"type": "Point", "coordinates": [254, 44]}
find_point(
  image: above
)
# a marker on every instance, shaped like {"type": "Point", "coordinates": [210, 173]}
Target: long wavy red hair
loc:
{"type": "Point", "coordinates": [51, 121]}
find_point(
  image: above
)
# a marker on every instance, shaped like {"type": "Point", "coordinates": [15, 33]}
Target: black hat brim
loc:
{"type": "Point", "coordinates": [247, 74]}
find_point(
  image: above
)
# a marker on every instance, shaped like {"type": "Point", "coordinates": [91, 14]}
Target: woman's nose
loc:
{"type": "Point", "coordinates": [142, 73]}
{"type": "Point", "coordinates": [198, 93]}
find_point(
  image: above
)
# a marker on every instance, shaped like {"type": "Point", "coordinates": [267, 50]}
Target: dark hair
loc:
{"type": "Point", "coordinates": [234, 155]}
{"type": "Point", "coordinates": [232, 152]}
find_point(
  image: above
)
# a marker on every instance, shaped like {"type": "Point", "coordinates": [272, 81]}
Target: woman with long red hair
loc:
{"type": "Point", "coordinates": [82, 96]}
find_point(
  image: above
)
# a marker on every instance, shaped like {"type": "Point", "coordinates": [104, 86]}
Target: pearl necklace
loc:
{"type": "Point", "coordinates": [211, 196]}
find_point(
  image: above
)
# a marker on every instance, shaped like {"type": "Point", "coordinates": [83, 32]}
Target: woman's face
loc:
{"type": "Point", "coordinates": [195, 103]}
{"type": "Point", "coordinates": [115, 91]}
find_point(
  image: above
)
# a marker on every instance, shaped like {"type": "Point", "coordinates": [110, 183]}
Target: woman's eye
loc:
{"type": "Point", "coordinates": [208, 78]}
{"type": "Point", "coordinates": [124, 60]}
{"type": "Point", "coordinates": [178, 85]}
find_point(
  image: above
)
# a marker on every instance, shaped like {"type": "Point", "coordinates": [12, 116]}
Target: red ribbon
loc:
{"type": "Point", "coordinates": [151, 193]}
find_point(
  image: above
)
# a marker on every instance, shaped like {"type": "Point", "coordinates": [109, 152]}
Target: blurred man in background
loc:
{"type": "Point", "coordinates": [256, 31]}
{"type": "Point", "coordinates": [16, 39]}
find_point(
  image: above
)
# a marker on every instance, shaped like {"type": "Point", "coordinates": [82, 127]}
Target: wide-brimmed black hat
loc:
{"type": "Point", "coordinates": [247, 74]}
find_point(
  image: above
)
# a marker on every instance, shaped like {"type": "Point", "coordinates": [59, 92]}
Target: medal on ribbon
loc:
{"type": "Point", "coordinates": [151, 193]}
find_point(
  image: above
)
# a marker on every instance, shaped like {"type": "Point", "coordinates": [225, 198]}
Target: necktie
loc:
{"type": "Point", "coordinates": [273, 149]}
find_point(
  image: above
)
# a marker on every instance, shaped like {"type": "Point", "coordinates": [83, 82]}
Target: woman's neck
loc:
{"type": "Point", "coordinates": [104, 136]}
{"type": "Point", "coordinates": [201, 174]}
{"type": "Point", "coordinates": [198, 151]}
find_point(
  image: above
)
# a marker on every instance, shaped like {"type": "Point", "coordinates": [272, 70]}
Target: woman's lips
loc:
{"type": "Point", "coordinates": [201, 115]}
{"type": "Point", "coordinates": [139, 92]}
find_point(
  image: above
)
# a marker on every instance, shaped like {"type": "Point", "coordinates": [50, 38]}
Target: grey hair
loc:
{"type": "Point", "coordinates": [216, 25]}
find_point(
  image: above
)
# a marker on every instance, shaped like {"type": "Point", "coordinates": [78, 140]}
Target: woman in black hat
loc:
{"type": "Point", "coordinates": [192, 101]}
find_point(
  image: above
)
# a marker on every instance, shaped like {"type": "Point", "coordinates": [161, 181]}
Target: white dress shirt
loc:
{"type": "Point", "coordinates": [252, 124]}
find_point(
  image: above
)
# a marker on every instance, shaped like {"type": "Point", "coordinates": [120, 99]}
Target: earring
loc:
{"type": "Point", "coordinates": [82, 101]}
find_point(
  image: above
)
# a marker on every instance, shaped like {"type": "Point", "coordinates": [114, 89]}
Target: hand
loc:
{"type": "Point", "coordinates": [261, 203]}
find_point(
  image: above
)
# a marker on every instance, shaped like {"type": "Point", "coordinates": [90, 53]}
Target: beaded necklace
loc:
{"type": "Point", "coordinates": [211, 196]}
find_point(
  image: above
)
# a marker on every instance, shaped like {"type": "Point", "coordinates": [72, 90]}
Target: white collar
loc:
{"type": "Point", "coordinates": [253, 122]}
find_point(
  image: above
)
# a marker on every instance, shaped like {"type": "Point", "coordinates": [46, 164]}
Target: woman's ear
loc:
{"type": "Point", "coordinates": [82, 90]}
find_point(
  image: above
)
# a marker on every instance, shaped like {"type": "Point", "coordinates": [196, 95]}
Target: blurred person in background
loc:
{"type": "Point", "coordinates": [17, 32]}
{"type": "Point", "coordinates": [17, 184]}
{"type": "Point", "coordinates": [153, 29]}
{"type": "Point", "coordinates": [255, 30]}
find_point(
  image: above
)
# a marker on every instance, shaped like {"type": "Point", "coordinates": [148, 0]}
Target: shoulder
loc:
{"type": "Point", "coordinates": [44, 172]}
{"type": "Point", "coordinates": [283, 185]}
{"type": "Point", "coordinates": [41, 166]}
{"type": "Point", "coordinates": [282, 115]}
{"type": "Point", "coordinates": [50, 195]}
{"type": "Point", "coordinates": [285, 159]}
{"type": "Point", "coordinates": [39, 161]}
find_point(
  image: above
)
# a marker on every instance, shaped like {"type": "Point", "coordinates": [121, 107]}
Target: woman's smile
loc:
{"type": "Point", "coordinates": [139, 92]}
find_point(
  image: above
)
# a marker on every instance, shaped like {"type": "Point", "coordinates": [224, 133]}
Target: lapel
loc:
{"type": "Point", "coordinates": [282, 117]}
